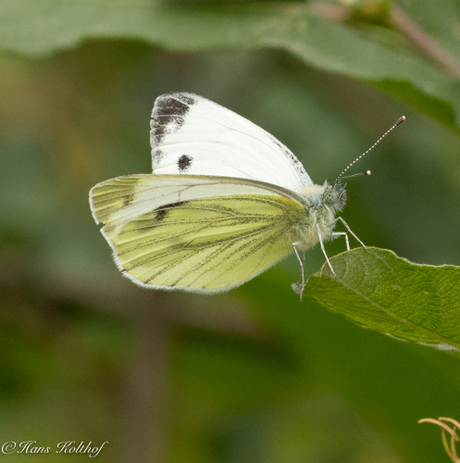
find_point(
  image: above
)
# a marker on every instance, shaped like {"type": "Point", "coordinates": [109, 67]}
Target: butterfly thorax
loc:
{"type": "Point", "coordinates": [322, 202]}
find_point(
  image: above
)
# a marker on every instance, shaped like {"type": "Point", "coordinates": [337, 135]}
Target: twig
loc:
{"type": "Point", "coordinates": [411, 30]}
{"type": "Point", "coordinates": [405, 26]}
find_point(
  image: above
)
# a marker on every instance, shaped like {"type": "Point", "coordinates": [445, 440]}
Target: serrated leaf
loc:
{"type": "Point", "coordinates": [377, 289]}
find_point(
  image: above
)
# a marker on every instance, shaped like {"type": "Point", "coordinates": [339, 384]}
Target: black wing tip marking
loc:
{"type": "Point", "coordinates": [169, 114]}
{"type": "Point", "coordinates": [157, 156]}
{"type": "Point", "coordinates": [185, 97]}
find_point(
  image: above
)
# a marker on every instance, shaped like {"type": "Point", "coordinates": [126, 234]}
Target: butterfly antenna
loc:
{"type": "Point", "coordinates": [368, 172]}
{"type": "Point", "coordinates": [398, 122]}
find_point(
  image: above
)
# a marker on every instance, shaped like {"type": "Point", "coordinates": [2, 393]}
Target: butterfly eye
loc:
{"type": "Point", "coordinates": [330, 196]}
{"type": "Point", "coordinates": [335, 196]}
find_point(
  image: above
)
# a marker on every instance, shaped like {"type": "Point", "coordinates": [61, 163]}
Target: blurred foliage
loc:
{"type": "Point", "coordinates": [253, 375]}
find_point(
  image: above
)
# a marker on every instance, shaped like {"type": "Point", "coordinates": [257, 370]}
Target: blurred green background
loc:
{"type": "Point", "coordinates": [253, 375]}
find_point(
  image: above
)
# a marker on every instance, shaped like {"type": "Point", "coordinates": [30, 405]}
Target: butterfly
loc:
{"type": "Point", "coordinates": [225, 201]}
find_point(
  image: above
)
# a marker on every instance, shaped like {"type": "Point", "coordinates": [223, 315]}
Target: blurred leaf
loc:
{"type": "Point", "coordinates": [35, 28]}
{"type": "Point", "coordinates": [382, 291]}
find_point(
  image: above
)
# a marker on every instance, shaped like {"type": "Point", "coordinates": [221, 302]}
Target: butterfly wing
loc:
{"type": "Point", "coordinates": [192, 135]}
{"type": "Point", "coordinates": [192, 232]}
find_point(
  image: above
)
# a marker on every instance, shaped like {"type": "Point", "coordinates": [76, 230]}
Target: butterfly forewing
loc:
{"type": "Point", "coordinates": [192, 135]}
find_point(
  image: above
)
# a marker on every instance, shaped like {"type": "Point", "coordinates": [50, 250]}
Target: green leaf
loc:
{"type": "Point", "coordinates": [377, 289]}
{"type": "Point", "coordinates": [394, 65]}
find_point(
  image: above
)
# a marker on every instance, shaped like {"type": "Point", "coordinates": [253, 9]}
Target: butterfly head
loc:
{"type": "Point", "coordinates": [334, 196]}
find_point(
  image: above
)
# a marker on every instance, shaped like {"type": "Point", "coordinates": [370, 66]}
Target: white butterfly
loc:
{"type": "Point", "coordinates": [226, 201]}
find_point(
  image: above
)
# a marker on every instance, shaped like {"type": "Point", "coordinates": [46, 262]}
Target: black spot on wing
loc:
{"type": "Point", "coordinates": [162, 211]}
{"type": "Point", "coordinates": [168, 115]}
{"type": "Point", "coordinates": [184, 163]}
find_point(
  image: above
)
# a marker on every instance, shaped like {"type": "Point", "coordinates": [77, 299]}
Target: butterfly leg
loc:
{"type": "Point", "coordinates": [299, 286]}
{"type": "Point", "coordinates": [337, 234]}
{"type": "Point", "coordinates": [352, 234]}
{"type": "Point", "coordinates": [324, 251]}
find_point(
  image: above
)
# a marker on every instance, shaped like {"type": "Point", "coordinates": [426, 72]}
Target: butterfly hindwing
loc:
{"type": "Point", "coordinates": [209, 244]}
{"type": "Point", "coordinates": [192, 135]}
